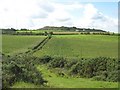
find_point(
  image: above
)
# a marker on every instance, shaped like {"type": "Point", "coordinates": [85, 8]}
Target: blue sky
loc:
{"type": "Point", "coordinates": [35, 14]}
{"type": "Point", "coordinates": [108, 8]}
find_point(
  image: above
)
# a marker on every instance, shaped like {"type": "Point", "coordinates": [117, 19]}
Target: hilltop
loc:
{"type": "Point", "coordinates": [72, 29]}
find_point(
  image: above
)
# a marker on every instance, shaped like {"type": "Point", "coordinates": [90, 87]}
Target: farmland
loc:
{"type": "Point", "coordinates": [85, 46]}
{"type": "Point", "coordinates": [57, 49]}
{"type": "Point", "coordinates": [17, 44]}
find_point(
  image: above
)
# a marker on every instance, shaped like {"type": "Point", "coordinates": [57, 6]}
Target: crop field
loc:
{"type": "Point", "coordinates": [17, 44]}
{"type": "Point", "coordinates": [81, 46]}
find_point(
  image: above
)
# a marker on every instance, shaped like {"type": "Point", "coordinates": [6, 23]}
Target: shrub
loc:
{"type": "Point", "coordinates": [45, 59]}
{"type": "Point", "coordinates": [58, 62]}
{"type": "Point", "coordinates": [70, 63]}
{"type": "Point", "coordinates": [100, 68]}
{"type": "Point", "coordinates": [20, 68]}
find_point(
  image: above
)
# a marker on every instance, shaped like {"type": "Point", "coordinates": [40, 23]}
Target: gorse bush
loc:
{"type": "Point", "coordinates": [23, 68]}
{"type": "Point", "coordinates": [101, 68]}
{"type": "Point", "coordinates": [20, 68]}
{"type": "Point", "coordinates": [58, 62]}
{"type": "Point", "coordinates": [70, 63]}
{"type": "Point", "coordinates": [45, 59]}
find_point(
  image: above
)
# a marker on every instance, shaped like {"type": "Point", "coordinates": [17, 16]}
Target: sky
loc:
{"type": "Point", "coordinates": [34, 14]}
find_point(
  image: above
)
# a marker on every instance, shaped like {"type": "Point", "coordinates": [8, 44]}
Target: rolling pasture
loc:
{"type": "Point", "coordinates": [81, 46]}
{"type": "Point", "coordinates": [67, 46]}
{"type": "Point", "coordinates": [17, 44]}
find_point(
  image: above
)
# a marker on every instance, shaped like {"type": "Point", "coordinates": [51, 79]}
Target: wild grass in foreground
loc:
{"type": "Point", "coordinates": [55, 80]}
{"type": "Point", "coordinates": [25, 85]}
{"type": "Point", "coordinates": [58, 72]}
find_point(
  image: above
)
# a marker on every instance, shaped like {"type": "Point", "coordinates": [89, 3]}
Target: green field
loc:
{"type": "Point", "coordinates": [16, 44]}
{"type": "Point", "coordinates": [68, 46]}
{"type": "Point", "coordinates": [85, 46]}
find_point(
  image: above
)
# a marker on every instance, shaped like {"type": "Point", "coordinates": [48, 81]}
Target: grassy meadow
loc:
{"type": "Point", "coordinates": [67, 46]}
{"type": "Point", "coordinates": [17, 44]}
{"type": "Point", "coordinates": [81, 46]}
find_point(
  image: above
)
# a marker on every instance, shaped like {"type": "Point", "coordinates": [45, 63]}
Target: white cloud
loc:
{"type": "Point", "coordinates": [39, 13]}
{"type": "Point", "coordinates": [105, 23]}
{"type": "Point", "coordinates": [94, 19]}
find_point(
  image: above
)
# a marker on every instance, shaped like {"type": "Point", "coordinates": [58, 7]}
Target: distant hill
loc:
{"type": "Point", "coordinates": [11, 30]}
{"type": "Point", "coordinates": [62, 28]}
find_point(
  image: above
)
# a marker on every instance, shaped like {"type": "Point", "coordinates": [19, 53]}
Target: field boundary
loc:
{"type": "Point", "coordinates": [38, 46]}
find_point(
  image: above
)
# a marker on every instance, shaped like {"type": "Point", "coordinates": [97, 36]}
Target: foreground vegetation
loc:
{"type": "Point", "coordinates": [56, 80]}
{"type": "Point", "coordinates": [20, 68]}
{"type": "Point", "coordinates": [100, 68]}
{"type": "Point", "coordinates": [59, 72]}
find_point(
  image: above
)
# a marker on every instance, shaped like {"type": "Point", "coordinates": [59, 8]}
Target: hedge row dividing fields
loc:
{"type": "Point", "coordinates": [38, 46]}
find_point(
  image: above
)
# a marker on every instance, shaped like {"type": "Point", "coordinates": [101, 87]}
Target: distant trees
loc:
{"type": "Point", "coordinates": [51, 33]}
{"type": "Point", "coordinates": [9, 31]}
{"type": "Point", "coordinates": [45, 33]}
{"type": "Point", "coordinates": [24, 29]}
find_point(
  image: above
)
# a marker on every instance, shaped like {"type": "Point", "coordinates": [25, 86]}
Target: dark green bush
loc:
{"type": "Point", "coordinates": [70, 63]}
{"type": "Point", "coordinates": [45, 59]}
{"type": "Point", "coordinates": [58, 62]}
{"type": "Point", "coordinates": [101, 68]}
{"type": "Point", "coordinates": [20, 68]}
